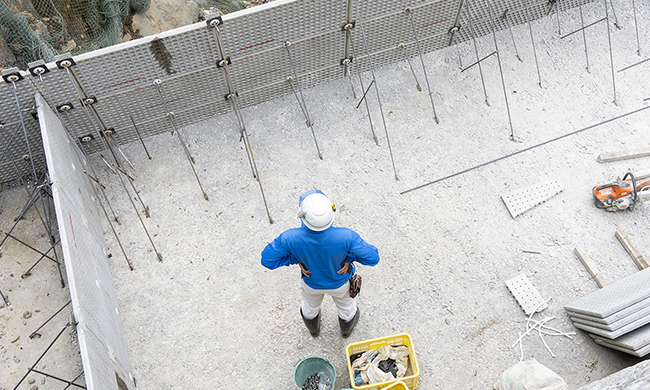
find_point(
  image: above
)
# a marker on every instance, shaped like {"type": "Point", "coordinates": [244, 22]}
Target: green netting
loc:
{"type": "Point", "coordinates": [40, 29]}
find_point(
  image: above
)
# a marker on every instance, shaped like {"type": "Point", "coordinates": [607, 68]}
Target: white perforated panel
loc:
{"type": "Point", "coordinates": [619, 315]}
{"type": "Point", "coordinates": [641, 352]}
{"type": "Point", "coordinates": [99, 329]}
{"type": "Point", "coordinates": [634, 340]}
{"type": "Point", "coordinates": [614, 297]}
{"type": "Point", "coordinates": [121, 76]}
{"type": "Point", "coordinates": [526, 198]}
{"type": "Point", "coordinates": [526, 294]}
{"type": "Point", "coordinates": [615, 325]}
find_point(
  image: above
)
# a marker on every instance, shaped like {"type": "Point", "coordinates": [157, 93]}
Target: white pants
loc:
{"type": "Point", "coordinates": [312, 299]}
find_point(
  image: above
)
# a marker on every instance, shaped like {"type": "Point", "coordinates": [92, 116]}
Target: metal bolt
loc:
{"type": "Point", "coordinates": [65, 107]}
{"type": "Point", "coordinates": [214, 22]}
{"type": "Point", "coordinates": [157, 82]}
{"type": "Point", "coordinates": [89, 101]}
{"type": "Point", "coordinates": [39, 70]}
{"type": "Point", "coordinates": [66, 63]}
{"type": "Point", "coordinates": [13, 78]}
{"type": "Point", "coordinates": [86, 139]}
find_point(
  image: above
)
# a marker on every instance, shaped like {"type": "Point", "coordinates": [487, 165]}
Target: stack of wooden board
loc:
{"type": "Point", "coordinates": [618, 315]}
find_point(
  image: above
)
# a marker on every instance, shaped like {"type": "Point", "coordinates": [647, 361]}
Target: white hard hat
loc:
{"type": "Point", "coordinates": [317, 211]}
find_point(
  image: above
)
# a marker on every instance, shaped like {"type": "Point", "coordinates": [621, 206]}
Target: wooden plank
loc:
{"type": "Point", "coordinates": [591, 266]}
{"type": "Point", "coordinates": [639, 175]}
{"type": "Point", "coordinates": [623, 155]}
{"type": "Point", "coordinates": [631, 250]}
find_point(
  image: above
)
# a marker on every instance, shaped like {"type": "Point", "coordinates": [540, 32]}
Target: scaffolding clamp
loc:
{"type": "Point", "coordinates": [37, 68]}
{"type": "Point", "coordinates": [84, 139]}
{"type": "Point", "coordinates": [348, 26]}
{"type": "Point", "coordinates": [214, 20]}
{"type": "Point", "coordinates": [64, 61]}
{"type": "Point", "coordinates": [11, 75]}
{"type": "Point", "coordinates": [65, 107]}
{"type": "Point", "coordinates": [226, 61]}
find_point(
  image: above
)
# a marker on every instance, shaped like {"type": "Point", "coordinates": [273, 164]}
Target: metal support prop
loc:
{"type": "Point", "coordinates": [532, 40]}
{"type": "Point", "coordinates": [29, 370]}
{"type": "Point", "coordinates": [372, 71]}
{"type": "Point", "coordinates": [633, 65]}
{"type": "Point", "coordinates": [43, 256]}
{"type": "Point", "coordinates": [503, 82]}
{"type": "Point", "coordinates": [83, 151]}
{"type": "Point", "coordinates": [424, 68]}
{"type": "Point", "coordinates": [109, 139]}
{"type": "Point", "coordinates": [301, 100]}
{"type": "Point", "coordinates": [67, 64]}
{"type": "Point", "coordinates": [456, 28]}
{"type": "Point", "coordinates": [636, 28]}
{"type": "Point", "coordinates": [70, 383]}
{"type": "Point", "coordinates": [584, 34]}
{"type": "Point", "coordinates": [348, 31]}
{"type": "Point", "coordinates": [478, 61]}
{"type": "Point", "coordinates": [504, 16]}
{"type": "Point", "coordinates": [140, 137]}
{"type": "Point", "coordinates": [74, 380]}
{"type": "Point", "coordinates": [609, 41]}
{"type": "Point", "coordinates": [525, 149]}
{"type": "Point", "coordinates": [611, 2]}
{"type": "Point", "coordinates": [13, 79]}
{"type": "Point", "coordinates": [157, 83]}
{"type": "Point", "coordinates": [34, 333]}
{"type": "Point", "coordinates": [47, 222]}
{"type": "Point", "coordinates": [224, 63]}
{"type": "Point", "coordinates": [406, 57]}
{"type": "Point", "coordinates": [6, 301]}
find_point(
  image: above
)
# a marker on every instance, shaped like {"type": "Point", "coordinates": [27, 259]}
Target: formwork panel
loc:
{"type": "Point", "coordinates": [120, 77]}
{"type": "Point", "coordinates": [277, 22]}
{"type": "Point", "coordinates": [619, 315]}
{"type": "Point", "coordinates": [99, 330]}
{"type": "Point", "coordinates": [634, 340]}
{"type": "Point", "coordinates": [614, 297]}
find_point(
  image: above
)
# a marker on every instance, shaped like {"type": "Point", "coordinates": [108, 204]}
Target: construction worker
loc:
{"type": "Point", "coordinates": [325, 255]}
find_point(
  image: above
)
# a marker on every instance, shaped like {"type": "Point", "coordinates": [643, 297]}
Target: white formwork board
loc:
{"type": "Point", "coordinates": [524, 199]}
{"type": "Point", "coordinates": [619, 315]}
{"type": "Point", "coordinates": [614, 297]}
{"type": "Point", "coordinates": [616, 333]}
{"type": "Point", "coordinates": [99, 327]}
{"type": "Point", "coordinates": [526, 294]}
{"type": "Point", "coordinates": [634, 341]}
{"type": "Point", "coordinates": [639, 352]}
{"type": "Point", "coordinates": [615, 325]}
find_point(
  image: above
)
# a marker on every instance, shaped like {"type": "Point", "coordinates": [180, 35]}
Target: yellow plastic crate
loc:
{"type": "Point", "coordinates": [399, 385]}
{"type": "Point", "coordinates": [410, 381]}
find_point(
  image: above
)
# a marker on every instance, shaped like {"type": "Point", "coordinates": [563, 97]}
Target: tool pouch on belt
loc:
{"type": "Point", "coordinates": [355, 285]}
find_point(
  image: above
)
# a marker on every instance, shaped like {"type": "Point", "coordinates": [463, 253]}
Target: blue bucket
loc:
{"type": "Point", "coordinates": [313, 365]}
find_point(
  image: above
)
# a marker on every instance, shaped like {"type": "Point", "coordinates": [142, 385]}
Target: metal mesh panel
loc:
{"type": "Point", "coordinates": [99, 329]}
{"type": "Point", "coordinates": [121, 77]}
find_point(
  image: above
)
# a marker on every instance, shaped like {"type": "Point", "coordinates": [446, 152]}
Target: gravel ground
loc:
{"type": "Point", "coordinates": [210, 316]}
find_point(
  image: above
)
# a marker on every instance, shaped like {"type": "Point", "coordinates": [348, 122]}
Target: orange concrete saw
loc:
{"type": "Point", "coordinates": [621, 194]}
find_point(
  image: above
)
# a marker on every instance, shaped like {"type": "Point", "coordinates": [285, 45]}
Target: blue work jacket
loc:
{"type": "Point", "coordinates": [322, 253]}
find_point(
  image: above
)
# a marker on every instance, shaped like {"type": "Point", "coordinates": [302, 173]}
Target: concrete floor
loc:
{"type": "Point", "coordinates": [210, 316]}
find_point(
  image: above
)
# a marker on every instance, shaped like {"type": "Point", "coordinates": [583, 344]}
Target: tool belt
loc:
{"type": "Point", "coordinates": [355, 285]}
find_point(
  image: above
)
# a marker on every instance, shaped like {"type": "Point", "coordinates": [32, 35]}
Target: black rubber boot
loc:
{"type": "Point", "coordinates": [347, 326]}
{"type": "Point", "coordinates": [313, 325]}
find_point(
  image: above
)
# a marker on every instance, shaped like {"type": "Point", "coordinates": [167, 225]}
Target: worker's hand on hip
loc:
{"type": "Point", "coordinates": [305, 271]}
{"type": "Point", "coordinates": [344, 268]}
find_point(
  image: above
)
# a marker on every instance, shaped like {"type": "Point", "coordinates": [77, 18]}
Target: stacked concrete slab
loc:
{"type": "Point", "coordinates": [618, 315]}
